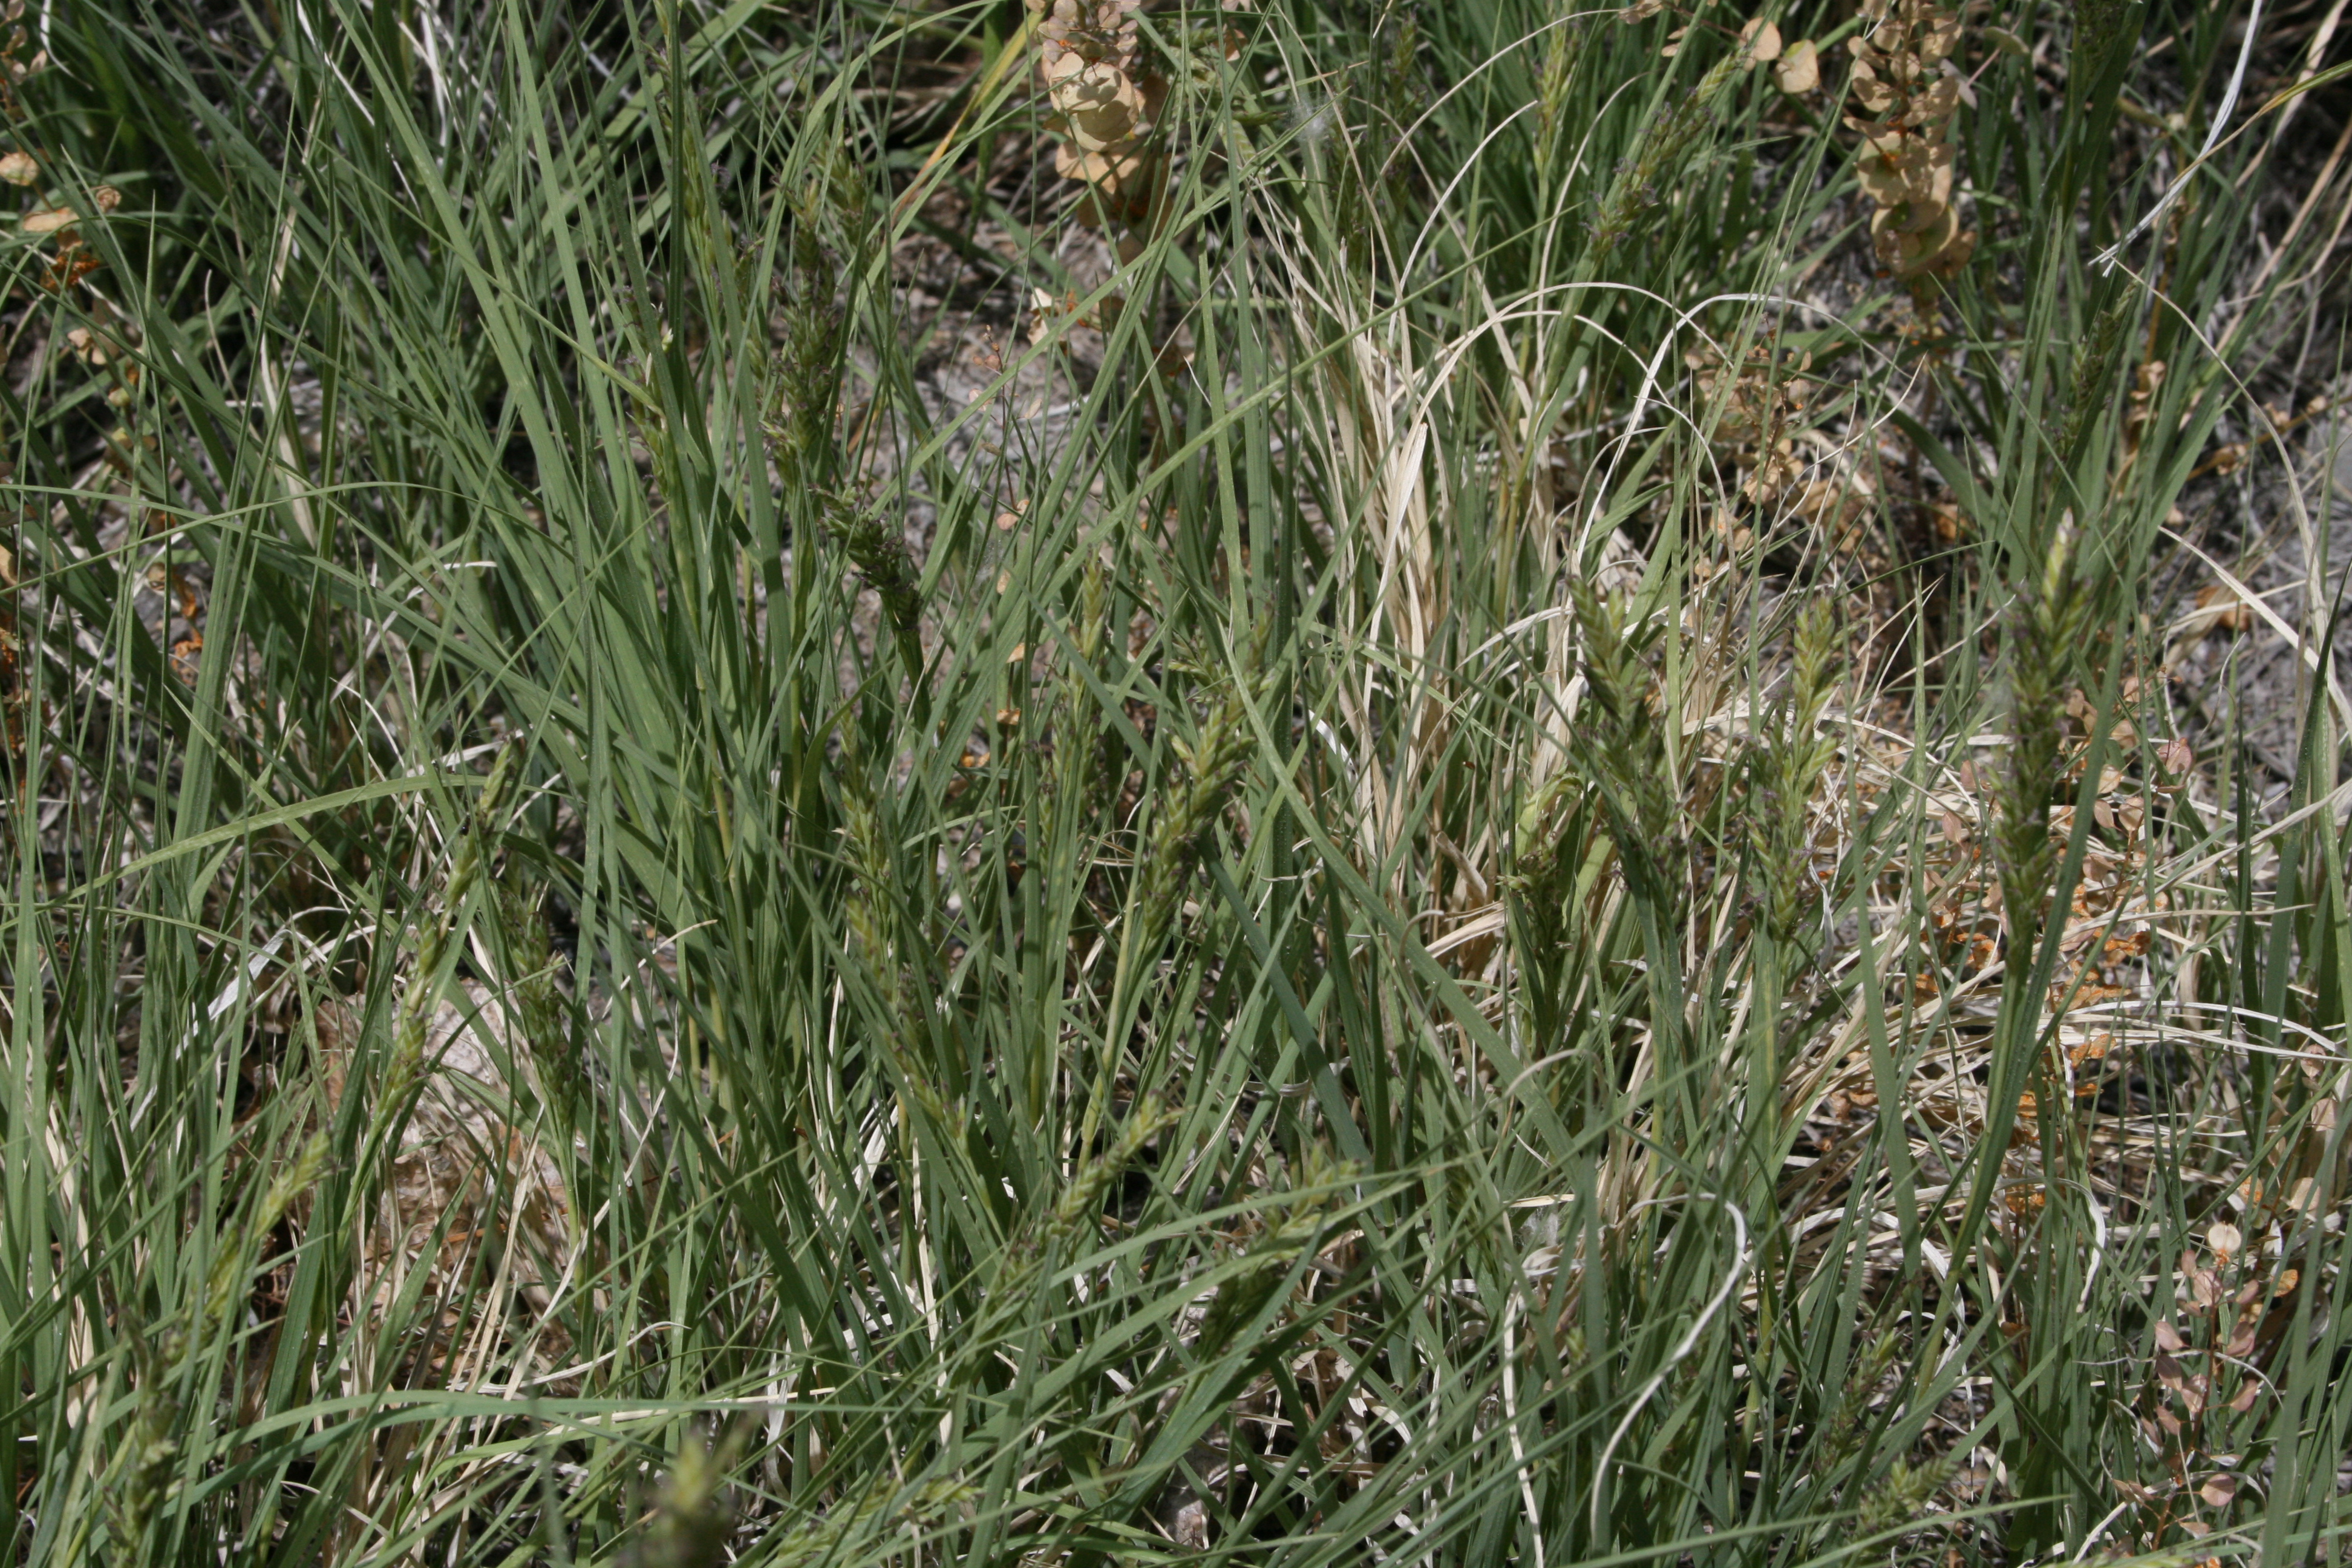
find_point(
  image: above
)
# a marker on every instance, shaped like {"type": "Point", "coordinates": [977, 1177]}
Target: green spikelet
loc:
{"type": "Point", "coordinates": [415, 1015]}
{"type": "Point", "coordinates": [2091, 371]}
{"type": "Point", "coordinates": [881, 556]}
{"type": "Point", "coordinates": [833, 236]}
{"type": "Point", "coordinates": [1783, 772]}
{"type": "Point", "coordinates": [1620, 744]}
{"type": "Point", "coordinates": [1273, 1251]}
{"type": "Point", "coordinates": [1563, 48]}
{"type": "Point", "coordinates": [1206, 770]}
{"type": "Point", "coordinates": [143, 1466]}
{"type": "Point", "coordinates": [691, 1517]}
{"type": "Point", "coordinates": [874, 937]}
{"type": "Point", "coordinates": [849, 1522]}
{"type": "Point", "coordinates": [2048, 625]}
{"type": "Point", "coordinates": [1080, 1205]}
{"type": "Point", "coordinates": [539, 1008]}
{"type": "Point", "coordinates": [1079, 742]}
{"type": "Point", "coordinates": [142, 1472]}
{"type": "Point", "coordinates": [1643, 180]}
{"type": "Point", "coordinates": [1903, 1494]}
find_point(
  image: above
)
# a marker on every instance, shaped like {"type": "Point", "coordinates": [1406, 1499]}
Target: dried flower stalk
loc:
{"type": "Point", "coordinates": [1106, 100]}
{"type": "Point", "coordinates": [1907, 89]}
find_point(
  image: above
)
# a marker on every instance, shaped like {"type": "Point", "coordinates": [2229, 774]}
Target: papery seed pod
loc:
{"type": "Point", "coordinates": [1103, 106]}
{"type": "Point", "coordinates": [1901, 83]}
{"type": "Point", "coordinates": [1799, 69]}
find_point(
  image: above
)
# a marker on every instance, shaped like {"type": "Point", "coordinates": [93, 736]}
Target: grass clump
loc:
{"type": "Point", "coordinates": [1279, 782]}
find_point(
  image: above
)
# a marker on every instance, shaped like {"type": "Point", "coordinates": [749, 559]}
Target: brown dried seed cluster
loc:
{"type": "Point", "coordinates": [1796, 69]}
{"type": "Point", "coordinates": [1907, 89]}
{"type": "Point", "coordinates": [15, 66]}
{"type": "Point", "coordinates": [1757, 396]}
{"type": "Point", "coordinates": [1762, 422]}
{"type": "Point", "coordinates": [1104, 99]}
{"type": "Point", "coordinates": [2110, 916]}
{"type": "Point", "coordinates": [74, 260]}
